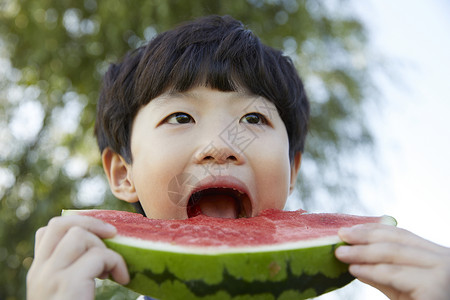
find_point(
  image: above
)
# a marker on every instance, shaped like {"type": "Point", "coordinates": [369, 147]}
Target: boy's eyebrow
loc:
{"type": "Point", "coordinates": [161, 100]}
{"type": "Point", "coordinates": [186, 94]}
{"type": "Point", "coordinates": [194, 95]}
{"type": "Point", "coordinates": [267, 106]}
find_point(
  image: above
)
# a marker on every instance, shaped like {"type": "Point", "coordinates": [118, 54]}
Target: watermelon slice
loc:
{"type": "Point", "coordinates": [276, 255]}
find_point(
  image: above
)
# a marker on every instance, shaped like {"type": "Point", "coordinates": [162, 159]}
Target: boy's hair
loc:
{"type": "Point", "coordinates": [216, 52]}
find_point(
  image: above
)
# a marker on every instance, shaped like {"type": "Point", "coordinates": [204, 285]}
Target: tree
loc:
{"type": "Point", "coordinates": [53, 55]}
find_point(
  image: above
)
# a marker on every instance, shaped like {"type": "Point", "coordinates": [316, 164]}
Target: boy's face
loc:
{"type": "Point", "coordinates": [224, 154]}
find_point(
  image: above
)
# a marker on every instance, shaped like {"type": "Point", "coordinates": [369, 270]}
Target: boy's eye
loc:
{"type": "Point", "coordinates": [179, 118]}
{"type": "Point", "coordinates": [254, 118]}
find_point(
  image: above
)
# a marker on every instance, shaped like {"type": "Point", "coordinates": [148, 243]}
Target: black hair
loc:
{"type": "Point", "coordinates": [214, 51]}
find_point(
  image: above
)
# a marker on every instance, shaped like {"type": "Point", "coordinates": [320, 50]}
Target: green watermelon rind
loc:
{"type": "Point", "coordinates": [285, 274]}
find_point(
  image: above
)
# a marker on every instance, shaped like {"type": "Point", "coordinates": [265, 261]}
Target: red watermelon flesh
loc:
{"type": "Point", "coordinates": [269, 228]}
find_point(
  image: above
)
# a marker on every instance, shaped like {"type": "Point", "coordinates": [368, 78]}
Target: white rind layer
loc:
{"type": "Point", "coordinates": [218, 250]}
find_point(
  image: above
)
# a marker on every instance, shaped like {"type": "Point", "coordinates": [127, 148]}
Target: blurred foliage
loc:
{"type": "Point", "coordinates": [52, 57]}
{"type": "Point", "coordinates": [109, 290]}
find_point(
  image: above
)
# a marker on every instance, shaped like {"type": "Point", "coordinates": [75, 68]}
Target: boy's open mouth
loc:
{"type": "Point", "coordinates": [219, 202]}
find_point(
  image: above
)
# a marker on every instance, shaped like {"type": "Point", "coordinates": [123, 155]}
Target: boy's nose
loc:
{"type": "Point", "coordinates": [218, 151]}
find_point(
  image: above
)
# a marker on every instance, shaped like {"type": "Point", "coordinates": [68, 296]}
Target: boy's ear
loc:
{"type": "Point", "coordinates": [294, 170]}
{"type": "Point", "coordinates": [119, 176]}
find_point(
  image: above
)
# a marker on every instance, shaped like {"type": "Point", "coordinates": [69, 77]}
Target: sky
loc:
{"type": "Point", "coordinates": [411, 122]}
{"type": "Point", "coordinates": [413, 129]}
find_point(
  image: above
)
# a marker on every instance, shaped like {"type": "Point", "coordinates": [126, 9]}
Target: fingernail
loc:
{"type": "Point", "coordinates": [110, 227]}
{"type": "Point", "coordinates": [345, 230]}
{"type": "Point", "coordinates": [342, 250]}
{"type": "Point", "coordinates": [354, 269]}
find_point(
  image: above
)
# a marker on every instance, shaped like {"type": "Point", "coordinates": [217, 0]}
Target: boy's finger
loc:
{"type": "Point", "coordinates": [58, 227]}
{"type": "Point", "coordinates": [404, 282]}
{"type": "Point", "coordinates": [400, 278]}
{"type": "Point", "coordinates": [38, 237]}
{"type": "Point", "coordinates": [375, 233]}
{"type": "Point", "coordinates": [73, 245]}
{"type": "Point", "coordinates": [391, 253]}
{"type": "Point", "coordinates": [389, 291]}
{"type": "Point", "coordinates": [97, 262]}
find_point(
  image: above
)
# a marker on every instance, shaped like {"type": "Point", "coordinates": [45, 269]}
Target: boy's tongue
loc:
{"type": "Point", "coordinates": [218, 205]}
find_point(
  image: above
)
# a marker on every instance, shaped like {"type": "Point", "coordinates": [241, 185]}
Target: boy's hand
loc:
{"type": "Point", "coordinates": [397, 262]}
{"type": "Point", "coordinates": [69, 255]}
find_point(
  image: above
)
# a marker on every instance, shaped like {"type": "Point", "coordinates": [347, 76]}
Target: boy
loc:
{"type": "Point", "coordinates": [206, 119]}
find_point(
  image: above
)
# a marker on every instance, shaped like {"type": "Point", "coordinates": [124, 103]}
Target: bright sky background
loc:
{"type": "Point", "coordinates": [412, 124]}
{"type": "Point", "coordinates": [413, 130]}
